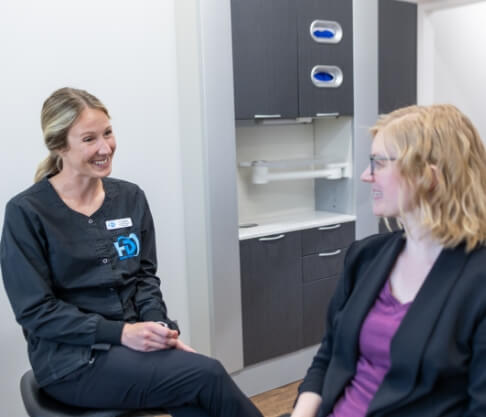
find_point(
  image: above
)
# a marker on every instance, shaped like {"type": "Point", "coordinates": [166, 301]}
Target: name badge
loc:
{"type": "Point", "coordinates": [118, 223]}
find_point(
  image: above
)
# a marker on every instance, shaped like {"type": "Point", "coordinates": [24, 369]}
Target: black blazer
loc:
{"type": "Point", "coordinates": [438, 354]}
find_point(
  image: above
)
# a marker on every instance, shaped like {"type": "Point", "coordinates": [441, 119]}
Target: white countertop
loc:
{"type": "Point", "coordinates": [280, 224]}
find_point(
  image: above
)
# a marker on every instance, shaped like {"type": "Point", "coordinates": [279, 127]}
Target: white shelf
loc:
{"type": "Point", "coordinates": [261, 170]}
{"type": "Point", "coordinates": [281, 224]}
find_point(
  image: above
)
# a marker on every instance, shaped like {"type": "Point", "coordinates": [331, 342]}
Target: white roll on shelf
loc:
{"type": "Point", "coordinates": [261, 173]}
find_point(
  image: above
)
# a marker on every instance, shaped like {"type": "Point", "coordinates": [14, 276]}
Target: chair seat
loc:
{"type": "Point", "coordinates": [38, 404]}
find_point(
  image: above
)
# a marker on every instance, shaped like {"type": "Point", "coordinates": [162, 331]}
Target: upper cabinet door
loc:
{"type": "Point", "coordinates": [325, 43]}
{"type": "Point", "coordinates": [265, 58]}
{"type": "Point", "coordinates": [397, 33]}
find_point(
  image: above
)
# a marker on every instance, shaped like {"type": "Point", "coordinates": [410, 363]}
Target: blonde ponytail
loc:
{"type": "Point", "coordinates": [48, 167]}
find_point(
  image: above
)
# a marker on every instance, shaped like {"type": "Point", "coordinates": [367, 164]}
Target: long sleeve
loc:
{"type": "Point", "coordinates": [477, 376]}
{"type": "Point", "coordinates": [27, 279]}
{"type": "Point", "coordinates": [148, 296]}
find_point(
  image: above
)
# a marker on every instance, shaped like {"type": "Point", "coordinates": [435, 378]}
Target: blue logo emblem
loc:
{"type": "Point", "coordinates": [127, 247]}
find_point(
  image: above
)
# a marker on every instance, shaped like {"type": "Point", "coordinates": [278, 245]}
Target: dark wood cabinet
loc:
{"type": "Point", "coordinates": [317, 296]}
{"type": "Point", "coordinates": [329, 237]}
{"type": "Point", "coordinates": [265, 58]}
{"type": "Point", "coordinates": [271, 291]}
{"type": "Point", "coordinates": [397, 50]}
{"type": "Point", "coordinates": [286, 290]}
{"type": "Point", "coordinates": [274, 55]}
{"type": "Point", "coordinates": [313, 100]}
{"type": "Point", "coordinates": [323, 265]}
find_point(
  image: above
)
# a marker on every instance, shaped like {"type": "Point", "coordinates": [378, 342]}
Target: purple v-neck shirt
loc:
{"type": "Point", "coordinates": [376, 334]}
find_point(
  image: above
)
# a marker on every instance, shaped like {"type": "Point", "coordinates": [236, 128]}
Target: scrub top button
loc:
{"type": "Point", "coordinates": [105, 260]}
{"type": "Point", "coordinates": [90, 221]}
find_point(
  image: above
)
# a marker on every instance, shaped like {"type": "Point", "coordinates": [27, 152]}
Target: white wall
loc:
{"type": "Point", "coordinates": [365, 47]}
{"type": "Point", "coordinates": [124, 52]}
{"type": "Point", "coordinates": [452, 58]}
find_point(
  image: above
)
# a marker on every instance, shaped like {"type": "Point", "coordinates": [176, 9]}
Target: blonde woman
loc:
{"type": "Point", "coordinates": [406, 329]}
{"type": "Point", "coordinates": [79, 262]}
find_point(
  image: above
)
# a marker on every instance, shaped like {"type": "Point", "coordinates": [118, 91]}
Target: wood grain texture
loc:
{"type": "Point", "coordinates": [271, 297]}
{"type": "Point", "coordinates": [273, 403]}
{"type": "Point", "coordinates": [277, 401]}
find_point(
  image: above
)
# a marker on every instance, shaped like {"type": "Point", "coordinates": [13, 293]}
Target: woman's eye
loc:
{"type": "Point", "coordinates": [379, 163]}
{"type": "Point", "coordinates": [109, 132]}
{"type": "Point", "coordinates": [88, 139]}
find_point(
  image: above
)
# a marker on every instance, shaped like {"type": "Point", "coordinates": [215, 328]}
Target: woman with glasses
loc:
{"type": "Point", "coordinates": [406, 328]}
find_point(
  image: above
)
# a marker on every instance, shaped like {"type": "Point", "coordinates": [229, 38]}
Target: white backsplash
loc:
{"type": "Point", "coordinates": [256, 201]}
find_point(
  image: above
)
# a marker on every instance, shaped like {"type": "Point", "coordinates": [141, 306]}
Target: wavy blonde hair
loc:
{"type": "Point", "coordinates": [442, 160]}
{"type": "Point", "coordinates": [59, 112]}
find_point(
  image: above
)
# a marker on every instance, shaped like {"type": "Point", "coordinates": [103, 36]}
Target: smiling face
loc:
{"type": "Point", "coordinates": [90, 146]}
{"type": "Point", "coordinates": [388, 190]}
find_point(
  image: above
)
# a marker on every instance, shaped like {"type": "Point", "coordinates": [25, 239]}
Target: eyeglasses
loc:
{"type": "Point", "coordinates": [373, 164]}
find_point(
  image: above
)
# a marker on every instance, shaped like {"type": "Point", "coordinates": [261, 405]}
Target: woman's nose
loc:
{"type": "Point", "coordinates": [366, 175]}
{"type": "Point", "coordinates": [105, 148]}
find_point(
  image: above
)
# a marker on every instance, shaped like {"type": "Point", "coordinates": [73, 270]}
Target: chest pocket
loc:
{"type": "Point", "coordinates": [126, 251]}
{"type": "Point", "coordinates": [127, 245]}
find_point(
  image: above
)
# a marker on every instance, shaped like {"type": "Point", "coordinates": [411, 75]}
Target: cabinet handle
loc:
{"type": "Point", "coordinates": [336, 252]}
{"type": "Point", "coordinates": [266, 239]}
{"type": "Point", "coordinates": [327, 114]}
{"type": "Point", "coordinates": [267, 116]}
{"type": "Point", "coordinates": [334, 226]}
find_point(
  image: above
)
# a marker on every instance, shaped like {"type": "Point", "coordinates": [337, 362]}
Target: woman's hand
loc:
{"type": "Point", "coordinates": [182, 346]}
{"type": "Point", "coordinates": [148, 336]}
{"type": "Point", "coordinates": [307, 405]}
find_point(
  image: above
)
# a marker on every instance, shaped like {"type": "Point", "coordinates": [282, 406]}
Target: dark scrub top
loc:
{"type": "Point", "coordinates": [73, 281]}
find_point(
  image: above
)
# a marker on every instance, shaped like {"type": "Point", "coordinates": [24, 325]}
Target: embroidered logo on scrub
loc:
{"type": "Point", "coordinates": [127, 246]}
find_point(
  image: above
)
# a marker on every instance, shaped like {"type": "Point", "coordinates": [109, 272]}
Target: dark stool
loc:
{"type": "Point", "coordinates": [39, 404]}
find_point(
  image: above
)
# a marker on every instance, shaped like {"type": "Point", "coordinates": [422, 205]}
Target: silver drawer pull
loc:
{"type": "Point", "coordinates": [334, 226]}
{"type": "Point", "coordinates": [327, 114]}
{"type": "Point", "coordinates": [267, 116]}
{"type": "Point", "coordinates": [336, 252]}
{"type": "Point", "coordinates": [266, 239]}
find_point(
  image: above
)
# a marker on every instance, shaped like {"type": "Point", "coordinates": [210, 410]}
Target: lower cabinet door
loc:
{"type": "Point", "coordinates": [317, 295]}
{"type": "Point", "coordinates": [272, 297]}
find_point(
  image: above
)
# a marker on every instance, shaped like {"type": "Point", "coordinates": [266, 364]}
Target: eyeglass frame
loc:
{"type": "Point", "coordinates": [374, 158]}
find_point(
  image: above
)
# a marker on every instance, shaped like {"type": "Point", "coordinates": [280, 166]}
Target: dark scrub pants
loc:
{"type": "Point", "coordinates": [183, 383]}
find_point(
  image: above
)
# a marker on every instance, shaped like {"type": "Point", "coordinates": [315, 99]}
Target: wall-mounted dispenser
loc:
{"type": "Point", "coordinates": [326, 76]}
{"type": "Point", "coordinates": [326, 31]}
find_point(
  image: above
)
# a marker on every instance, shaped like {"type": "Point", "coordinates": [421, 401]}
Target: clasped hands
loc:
{"type": "Point", "coordinates": [150, 336]}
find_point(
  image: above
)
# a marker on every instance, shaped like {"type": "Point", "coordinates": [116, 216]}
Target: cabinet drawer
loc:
{"type": "Point", "coordinates": [317, 296]}
{"type": "Point", "coordinates": [323, 265]}
{"type": "Point", "coordinates": [327, 238]}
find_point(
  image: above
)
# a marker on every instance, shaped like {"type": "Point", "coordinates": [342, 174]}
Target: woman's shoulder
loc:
{"type": "Point", "coordinates": [119, 186]}
{"type": "Point", "coordinates": [370, 246]}
{"type": "Point", "coordinates": [33, 193]}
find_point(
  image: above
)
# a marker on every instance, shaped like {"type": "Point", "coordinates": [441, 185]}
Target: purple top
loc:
{"type": "Point", "coordinates": [376, 334]}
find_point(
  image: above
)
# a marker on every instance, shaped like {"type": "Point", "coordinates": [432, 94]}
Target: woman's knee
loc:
{"type": "Point", "coordinates": [212, 369]}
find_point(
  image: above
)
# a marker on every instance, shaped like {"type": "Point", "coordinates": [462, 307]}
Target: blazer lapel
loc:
{"type": "Point", "coordinates": [345, 352]}
{"type": "Point", "coordinates": [412, 336]}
